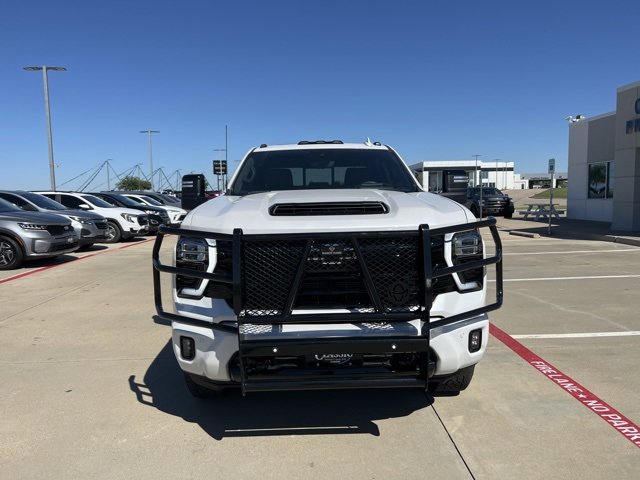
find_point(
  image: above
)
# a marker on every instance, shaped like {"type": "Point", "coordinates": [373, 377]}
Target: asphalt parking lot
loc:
{"type": "Point", "coordinates": [90, 388]}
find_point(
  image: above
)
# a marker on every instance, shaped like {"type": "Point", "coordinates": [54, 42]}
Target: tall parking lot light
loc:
{"type": "Point", "coordinates": [479, 179]}
{"type": "Point", "coordinates": [47, 111]}
{"type": "Point", "coordinates": [150, 132]}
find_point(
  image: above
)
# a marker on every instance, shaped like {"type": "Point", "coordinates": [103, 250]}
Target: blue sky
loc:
{"type": "Point", "coordinates": [438, 80]}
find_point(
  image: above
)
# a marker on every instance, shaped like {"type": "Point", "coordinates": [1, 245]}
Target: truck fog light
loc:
{"type": "Point", "coordinates": [187, 348]}
{"type": "Point", "coordinates": [475, 340]}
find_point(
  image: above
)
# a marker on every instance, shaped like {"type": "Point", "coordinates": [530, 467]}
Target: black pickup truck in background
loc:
{"type": "Point", "coordinates": [493, 201]}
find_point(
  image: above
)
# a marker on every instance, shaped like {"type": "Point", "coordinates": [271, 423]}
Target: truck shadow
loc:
{"type": "Point", "coordinates": [272, 414]}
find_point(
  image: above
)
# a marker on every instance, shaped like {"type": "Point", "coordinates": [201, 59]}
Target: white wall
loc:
{"type": "Point", "coordinates": [579, 206]}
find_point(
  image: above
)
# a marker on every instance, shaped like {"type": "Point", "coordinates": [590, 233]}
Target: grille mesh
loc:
{"type": "Point", "coordinates": [332, 276]}
{"type": "Point", "coordinates": [269, 269]}
{"type": "Point", "coordinates": [393, 264]}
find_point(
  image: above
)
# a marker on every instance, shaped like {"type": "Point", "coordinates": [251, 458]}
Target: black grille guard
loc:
{"type": "Point", "coordinates": [256, 348]}
{"type": "Point", "coordinates": [238, 240]}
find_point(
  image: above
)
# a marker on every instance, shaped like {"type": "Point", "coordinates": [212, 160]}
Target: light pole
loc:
{"type": "Point", "coordinates": [504, 173]}
{"type": "Point", "coordinates": [150, 132]}
{"type": "Point", "coordinates": [476, 172]}
{"type": "Point", "coordinates": [47, 112]}
{"type": "Point", "coordinates": [480, 179]}
{"type": "Point", "coordinates": [226, 158]}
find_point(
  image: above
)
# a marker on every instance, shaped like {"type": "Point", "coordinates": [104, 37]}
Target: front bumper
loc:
{"type": "Point", "coordinates": [391, 332]}
{"type": "Point", "coordinates": [90, 232]}
{"type": "Point", "coordinates": [43, 245]}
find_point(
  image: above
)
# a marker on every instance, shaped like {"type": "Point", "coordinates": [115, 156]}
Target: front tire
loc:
{"type": "Point", "coordinates": [453, 384]}
{"type": "Point", "coordinates": [475, 212]}
{"type": "Point", "coordinates": [200, 391]}
{"type": "Point", "coordinates": [113, 234]}
{"type": "Point", "coordinates": [10, 253]}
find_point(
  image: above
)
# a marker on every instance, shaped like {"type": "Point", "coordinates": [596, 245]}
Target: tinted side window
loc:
{"type": "Point", "coordinates": [70, 201]}
{"type": "Point", "coordinates": [12, 199]}
{"type": "Point", "coordinates": [109, 200]}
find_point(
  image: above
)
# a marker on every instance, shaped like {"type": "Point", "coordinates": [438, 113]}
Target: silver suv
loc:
{"type": "Point", "coordinates": [90, 227]}
{"type": "Point", "coordinates": [31, 235]}
{"type": "Point", "coordinates": [122, 223]}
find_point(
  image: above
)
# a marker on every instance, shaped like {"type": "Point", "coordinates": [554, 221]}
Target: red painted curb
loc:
{"type": "Point", "coordinates": [615, 419]}
{"type": "Point", "coordinates": [89, 255]}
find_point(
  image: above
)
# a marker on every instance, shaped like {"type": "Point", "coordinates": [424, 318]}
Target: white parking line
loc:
{"type": "Point", "coordinates": [544, 279]}
{"type": "Point", "coordinates": [580, 335]}
{"type": "Point", "coordinates": [576, 251]}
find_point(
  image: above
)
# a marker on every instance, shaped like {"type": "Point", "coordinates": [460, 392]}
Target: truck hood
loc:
{"type": "Point", "coordinates": [251, 213]}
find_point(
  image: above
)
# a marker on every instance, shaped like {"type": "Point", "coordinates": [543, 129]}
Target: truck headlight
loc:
{"type": "Point", "coordinates": [193, 250]}
{"type": "Point", "coordinates": [191, 253]}
{"type": "Point", "coordinates": [467, 248]}
{"type": "Point", "coordinates": [129, 217]}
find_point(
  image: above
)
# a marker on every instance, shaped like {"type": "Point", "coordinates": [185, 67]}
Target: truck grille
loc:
{"type": "Point", "coordinates": [332, 276]}
{"type": "Point", "coordinates": [495, 203]}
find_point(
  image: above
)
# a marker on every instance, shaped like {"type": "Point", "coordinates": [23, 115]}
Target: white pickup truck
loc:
{"type": "Point", "coordinates": [325, 265]}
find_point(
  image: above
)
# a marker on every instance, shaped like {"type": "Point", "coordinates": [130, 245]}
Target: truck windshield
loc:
{"type": "Point", "coordinates": [326, 168]}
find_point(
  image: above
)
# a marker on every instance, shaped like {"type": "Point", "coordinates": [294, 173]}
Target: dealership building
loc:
{"type": "Point", "coordinates": [497, 173]}
{"type": "Point", "coordinates": [604, 164]}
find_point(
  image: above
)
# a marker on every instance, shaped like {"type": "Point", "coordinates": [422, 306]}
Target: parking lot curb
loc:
{"type": "Point", "coordinates": [524, 234]}
{"type": "Point", "coordinates": [627, 241]}
{"type": "Point", "coordinates": [603, 238]}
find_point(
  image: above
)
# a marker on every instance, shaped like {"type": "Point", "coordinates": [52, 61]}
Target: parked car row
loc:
{"type": "Point", "coordinates": [43, 224]}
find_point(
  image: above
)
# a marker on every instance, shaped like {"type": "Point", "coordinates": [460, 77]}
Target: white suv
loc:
{"type": "Point", "coordinates": [176, 214]}
{"type": "Point", "coordinates": [122, 223]}
{"type": "Point", "coordinates": [325, 265]}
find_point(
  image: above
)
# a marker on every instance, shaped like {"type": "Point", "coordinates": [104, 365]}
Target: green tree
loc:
{"type": "Point", "coordinates": [133, 183]}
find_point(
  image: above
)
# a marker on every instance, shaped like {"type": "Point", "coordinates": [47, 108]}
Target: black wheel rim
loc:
{"type": "Point", "coordinates": [7, 254]}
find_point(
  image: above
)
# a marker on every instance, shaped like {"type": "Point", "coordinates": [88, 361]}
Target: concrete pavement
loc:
{"type": "Point", "coordinates": [91, 388]}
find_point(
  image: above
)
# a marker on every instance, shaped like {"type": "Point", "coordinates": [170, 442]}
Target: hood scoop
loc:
{"type": "Point", "coordinates": [329, 208]}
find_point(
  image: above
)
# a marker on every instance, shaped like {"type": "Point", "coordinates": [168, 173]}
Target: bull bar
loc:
{"type": "Point", "coordinates": [383, 344]}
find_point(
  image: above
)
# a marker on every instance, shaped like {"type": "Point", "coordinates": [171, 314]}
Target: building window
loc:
{"type": "Point", "coordinates": [435, 182]}
{"type": "Point", "coordinates": [601, 180]}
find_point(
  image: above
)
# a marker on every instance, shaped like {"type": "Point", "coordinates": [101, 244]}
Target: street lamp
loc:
{"type": "Point", "coordinates": [480, 179]}
{"type": "Point", "coordinates": [47, 112]}
{"type": "Point", "coordinates": [497, 160]}
{"type": "Point", "coordinates": [226, 158]}
{"type": "Point", "coordinates": [476, 172]}
{"type": "Point", "coordinates": [150, 132]}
